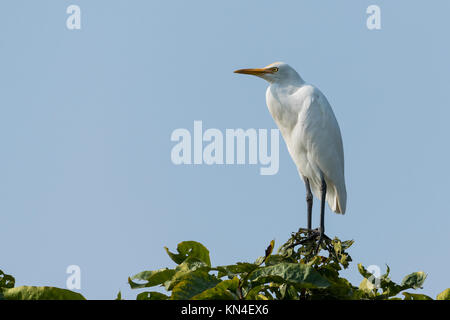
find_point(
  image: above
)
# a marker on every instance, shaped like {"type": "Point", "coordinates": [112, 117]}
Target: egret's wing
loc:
{"type": "Point", "coordinates": [324, 146]}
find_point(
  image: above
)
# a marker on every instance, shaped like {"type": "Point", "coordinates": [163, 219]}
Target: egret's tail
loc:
{"type": "Point", "coordinates": [337, 198]}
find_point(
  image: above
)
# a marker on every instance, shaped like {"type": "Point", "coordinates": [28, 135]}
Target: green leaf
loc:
{"type": "Point", "coordinates": [235, 269]}
{"type": "Point", "coordinates": [193, 284]}
{"type": "Point", "coordinates": [40, 293]}
{"type": "Point", "coordinates": [347, 244]}
{"type": "Point", "coordinates": [414, 280]}
{"type": "Point", "coordinates": [188, 266]}
{"type": "Point", "coordinates": [367, 286]}
{"type": "Point", "coordinates": [254, 292]}
{"type": "Point", "coordinates": [444, 295]}
{"type": "Point", "coordinates": [415, 296]}
{"type": "Point", "coordinates": [288, 292]}
{"type": "Point", "coordinates": [119, 296]}
{"type": "Point", "coordinates": [275, 259]}
{"type": "Point", "coordinates": [151, 295]}
{"type": "Point", "coordinates": [6, 280]}
{"type": "Point", "coordinates": [269, 249]}
{"type": "Point", "coordinates": [366, 274]}
{"type": "Point", "coordinates": [225, 290]}
{"type": "Point", "coordinates": [293, 273]}
{"type": "Point", "coordinates": [342, 289]}
{"type": "Point", "coordinates": [190, 249]}
{"type": "Point", "coordinates": [153, 278]}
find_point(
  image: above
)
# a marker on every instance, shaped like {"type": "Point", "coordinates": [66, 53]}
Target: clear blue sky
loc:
{"type": "Point", "coordinates": [86, 118]}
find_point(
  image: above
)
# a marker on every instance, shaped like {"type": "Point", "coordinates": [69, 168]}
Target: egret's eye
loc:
{"type": "Point", "coordinates": [275, 69]}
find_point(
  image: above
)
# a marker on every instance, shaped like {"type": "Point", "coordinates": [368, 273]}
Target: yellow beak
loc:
{"type": "Point", "coordinates": [254, 72]}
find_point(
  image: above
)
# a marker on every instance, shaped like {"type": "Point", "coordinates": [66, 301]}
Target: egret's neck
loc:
{"type": "Point", "coordinates": [292, 79]}
{"type": "Point", "coordinates": [288, 85]}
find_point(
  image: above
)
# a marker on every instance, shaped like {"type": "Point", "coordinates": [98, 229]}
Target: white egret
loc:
{"type": "Point", "coordinates": [312, 135]}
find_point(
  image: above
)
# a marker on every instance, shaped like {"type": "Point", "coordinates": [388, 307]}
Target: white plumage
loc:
{"type": "Point", "coordinates": [309, 128]}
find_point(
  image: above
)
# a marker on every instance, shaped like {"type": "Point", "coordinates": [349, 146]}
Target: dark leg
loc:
{"type": "Point", "coordinates": [309, 202]}
{"type": "Point", "coordinates": [323, 191]}
{"type": "Point", "coordinates": [316, 234]}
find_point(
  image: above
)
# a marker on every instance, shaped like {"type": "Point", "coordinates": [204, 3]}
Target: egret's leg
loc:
{"type": "Point", "coordinates": [319, 233]}
{"type": "Point", "coordinates": [309, 202]}
{"type": "Point", "coordinates": [323, 191]}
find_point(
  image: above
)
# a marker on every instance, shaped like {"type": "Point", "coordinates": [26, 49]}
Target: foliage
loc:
{"type": "Point", "coordinates": [9, 292]}
{"type": "Point", "coordinates": [295, 272]}
{"type": "Point", "coordinates": [298, 271]}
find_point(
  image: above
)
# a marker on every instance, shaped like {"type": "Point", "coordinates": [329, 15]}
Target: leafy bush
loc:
{"type": "Point", "coordinates": [295, 272]}
{"type": "Point", "coordinates": [9, 292]}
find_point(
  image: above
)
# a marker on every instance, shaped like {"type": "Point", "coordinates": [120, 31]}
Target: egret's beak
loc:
{"type": "Point", "coordinates": [254, 72]}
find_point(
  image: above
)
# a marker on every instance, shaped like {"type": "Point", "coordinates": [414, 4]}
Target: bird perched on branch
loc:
{"type": "Point", "coordinates": [312, 135]}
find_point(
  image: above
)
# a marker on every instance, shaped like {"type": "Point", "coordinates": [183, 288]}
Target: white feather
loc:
{"type": "Point", "coordinates": [311, 132]}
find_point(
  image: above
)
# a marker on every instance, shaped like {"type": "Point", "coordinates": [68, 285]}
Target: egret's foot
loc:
{"type": "Point", "coordinates": [308, 235]}
{"type": "Point", "coordinates": [321, 238]}
{"type": "Point", "coordinates": [305, 231]}
{"type": "Point", "coordinates": [303, 235]}
{"type": "Point", "coordinates": [313, 232]}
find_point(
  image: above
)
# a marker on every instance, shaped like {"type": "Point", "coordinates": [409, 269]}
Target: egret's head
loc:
{"type": "Point", "coordinates": [275, 72]}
